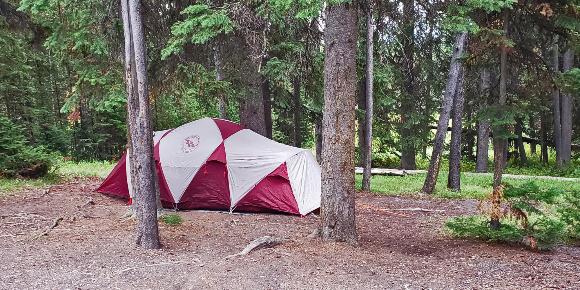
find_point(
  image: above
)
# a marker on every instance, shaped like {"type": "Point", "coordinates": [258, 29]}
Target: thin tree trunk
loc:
{"type": "Point", "coordinates": [337, 210]}
{"type": "Point", "coordinates": [454, 177]}
{"type": "Point", "coordinates": [297, 107]}
{"type": "Point", "coordinates": [318, 136]}
{"type": "Point", "coordinates": [533, 130]}
{"type": "Point", "coordinates": [500, 144]}
{"type": "Point", "coordinates": [408, 150]}
{"type": "Point", "coordinates": [366, 183]}
{"type": "Point", "coordinates": [566, 115]}
{"type": "Point", "coordinates": [520, 145]}
{"type": "Point", "coordinates": [220, 64]}
{"type": "Point", "coordinates": [361, 104]}
{"type": "Point", "coordinates": [483, 127]}
{"type": "Point", "coordinates": [143, 164]}
{"type": "Point", "coordinates": [267, 95]}
{"type": "Point", "coordinates": [439, 142]}
{"type": "Point", "coordinates": [544, 136]}
{"type": "Point", "coordinates": [557, 117]}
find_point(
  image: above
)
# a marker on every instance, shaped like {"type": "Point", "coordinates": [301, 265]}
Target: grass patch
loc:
{"type": "Point", "coordinates": [472, 186]}
{"type": "Point", "coordinates": [173, 219]}
{"type": "Point", "coordinates": [60, 173]}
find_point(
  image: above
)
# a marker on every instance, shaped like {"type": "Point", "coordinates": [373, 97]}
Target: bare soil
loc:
{"type": "Point", "coordinates": [92, 248]}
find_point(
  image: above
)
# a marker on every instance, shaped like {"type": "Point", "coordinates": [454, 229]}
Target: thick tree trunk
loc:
{"type": "Point", "coordinates": [366, 183]}
{"type": "Point", "coordinates": [520, 145]}
{"type": "Point", "coordinates": [337, 210]}
{"type": "Point", "coordinates": [439, 142]}
{"type": "Point", "coordinates": [566, 115]}
{"type": "Point", "coordinates": [557, 117]}
{"type": "Point", "coordinates": [408, 150]}
{"type": "Point", "coordinates": [297, 107]}
{"type": "Point", "coordinates": [454, 177]}
{"type": "Point", "coordinates": [142, 163]}
{"type": "Point", "coordinates": [483, 126]}
{"type": "Point", "coordinates": [267, 95]}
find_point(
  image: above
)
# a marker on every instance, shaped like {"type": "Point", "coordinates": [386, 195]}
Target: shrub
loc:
{"type": "Point", "coordinates": [526, 216]}
{"type": "Point", "coordinates": [16, 157]}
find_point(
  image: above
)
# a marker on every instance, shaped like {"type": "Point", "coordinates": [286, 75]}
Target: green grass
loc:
{"type": "Point", "coordinates": [472, 186]}
{"type": "Point", "coordinates": [173, 219]}
{"type": "Point", "coordinates": [61, 172]}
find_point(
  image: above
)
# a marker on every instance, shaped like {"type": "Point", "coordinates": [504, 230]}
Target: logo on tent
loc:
{"type": "Point", "coordinates": [190, 143]}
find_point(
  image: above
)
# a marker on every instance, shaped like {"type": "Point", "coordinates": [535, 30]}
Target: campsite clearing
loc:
{"type": "Point", "coordinates": [91, 248]}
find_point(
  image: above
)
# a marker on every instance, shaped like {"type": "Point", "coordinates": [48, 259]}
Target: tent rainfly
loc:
{"type": "Point", "coordinates": [219, 165]}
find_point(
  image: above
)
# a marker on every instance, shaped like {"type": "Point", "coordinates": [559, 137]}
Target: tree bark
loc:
{"type": "Point", "coordinates": [297, 107]}
{"type": "Point", "coordinates": [267, 97]}
{"type": "Point", "coordinates": [454, 177]}
{"type": "Point", "coordinates": [544, 136]}
{"type": "Point", "coordinates": [483, 127]}
{"type": "Point", "coordinates": [566, 115]}
{"type": "Point", "coordinates": [337, 210]}
{"type": "Point", "coordinates": [220, 64]}
{"type": "Point", "coordinates": [408, 150]}
{"type": "Point", "coordinates": [459, 48]}
{"type": "Point", "coordinates": [500, 144]}
{"type": "Point", "coordinates": [533, 130]}
{"type": "Point", "coordinates": [520, 145]}
{"type": "Point", "coordinates": [366, 183]}
{"type": "Point", "coordinates": [557, 117]}
{"type": "Point", "coordinates": [318, 136]}
{"type": "Point", "coordinates": [362, 106]}
{"type": "Point", "coordinates": [142, 163]}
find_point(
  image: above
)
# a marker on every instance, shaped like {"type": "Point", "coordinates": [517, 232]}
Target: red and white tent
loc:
{"type": "Point", "coordinates": [219, 165]}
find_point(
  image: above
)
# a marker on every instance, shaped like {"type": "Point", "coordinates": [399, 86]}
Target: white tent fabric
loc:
{"type": "Point", "coordinates": [184, 150]}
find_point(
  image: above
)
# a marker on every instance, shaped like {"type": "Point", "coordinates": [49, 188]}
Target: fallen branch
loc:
{"type": "Point", "coordinates": [421, 209]}
{"type": "Point", "coordinates": [90, 201]}
{"type": "Point", "coordinates": [259, 243]}
{"type": "Point", "coordinates": [54, 224]}
{"type": "Point", "coordinates": [382, 210]}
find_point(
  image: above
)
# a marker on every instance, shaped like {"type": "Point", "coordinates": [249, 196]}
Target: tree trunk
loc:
{"type": "Point", "coordinates": [361, 104]}
{"type": "Point", "coordinates": [500, 144]}
{"type": "Point", "coordinates": [267, 95]}
{"type": "Point", "coordinates": [318, 136]}
{"type": "Point", "coordinates": [544, 136]}
{"type": "Point", "coordinates": [408, 149]}
{"type": "Point", "coordinates": [566, 115]}
{"type": "Point", "coordinates": [520, 145]}
{"type": "Point", "coordinates": [557, 117]}
{"type": "Point", "coordinates": [142, 163]}
{"type": "Point", "coordinates": [533, 129]}
{"type": "Point", "coordinates": [337, 210]}
{"type": "Point", "coordinates": [366, 183]}
{"type": "Point", "coordinates": [439, 142]}
{"type": "Point", "coordinates": [297, 107]}
{"type": "Point", "coordinates": [220, 64]}
{"type": "Point", "coordinates": [483, 126]}
{"type": "Point", "coordinates": [454, 177]}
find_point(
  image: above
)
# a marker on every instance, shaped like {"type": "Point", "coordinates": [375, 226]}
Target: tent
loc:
{"type": "Point", "coordinates": [219, 165]}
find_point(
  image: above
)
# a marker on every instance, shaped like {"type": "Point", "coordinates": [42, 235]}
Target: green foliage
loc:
{"type": "Point", "coordinates": [571, 213]}
{"type": "Point", "coordinates": [173, 219]}
{"type": "Point", "coordinates": [202, 24]}
{"type": "Point", "coordinates": [530, 216]}
{"type": "Point", "coordinates": [16, 157]}
{"type": "Point", "coordinates": [572, 81]}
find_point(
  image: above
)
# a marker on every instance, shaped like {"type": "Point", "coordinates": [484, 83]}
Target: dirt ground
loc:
{"type": "Point", "coordinates": [93, 249]}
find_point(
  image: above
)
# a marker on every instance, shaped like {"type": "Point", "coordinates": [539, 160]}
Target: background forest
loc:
{"type": "Point", "coordinates": [260, 63]}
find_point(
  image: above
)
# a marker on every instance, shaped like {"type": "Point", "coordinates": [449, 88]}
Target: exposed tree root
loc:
{"type": "Point", "coordinates": [259, 243]}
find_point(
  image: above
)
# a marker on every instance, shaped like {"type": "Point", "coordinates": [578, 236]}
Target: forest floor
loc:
{"type": "Point", "coordinates": [92, 248]}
